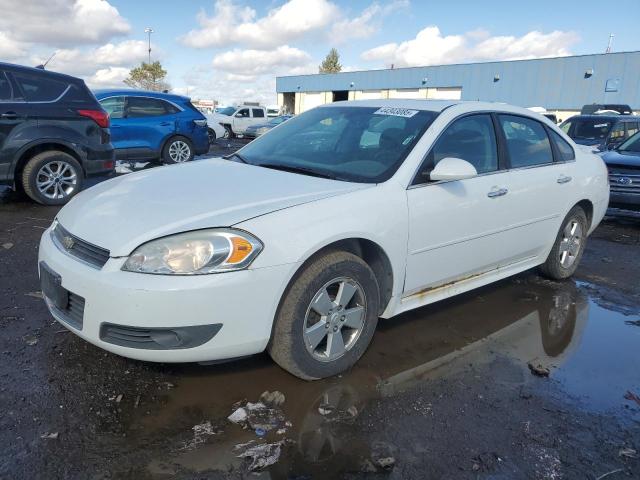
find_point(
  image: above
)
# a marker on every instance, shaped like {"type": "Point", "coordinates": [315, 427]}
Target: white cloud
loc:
{"type": "Point", "coordinates": [232, 24]}
{"type": "Point", "coordinates": [252, 62]}
{"type": "Point", "coordinates": [60, 23]}
{"type": "Point", "coordinates": [430, 47]}
{"type": "Point", "coordinates": [365, 24]}
{"type": "Point", "coordinates": [108, 77]}
{"type": "Point", "coordinates": [10, 48]}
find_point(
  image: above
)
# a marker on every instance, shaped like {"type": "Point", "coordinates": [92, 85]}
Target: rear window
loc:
{"type": "Point", "coordinates": [38, 88]}
{"type": "Point", "coordinates": [149, 107]}
{"type": "Point", "coordinates": [258, 113]}
{"type": "Point", "coordinates": [587, 128]}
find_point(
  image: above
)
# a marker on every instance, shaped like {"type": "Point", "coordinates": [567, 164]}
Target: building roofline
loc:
{"type": "Point", "coordinates": [458, 64]}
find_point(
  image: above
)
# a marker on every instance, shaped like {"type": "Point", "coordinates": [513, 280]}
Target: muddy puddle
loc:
{"type": "Point", "coordinates": [591, 353]}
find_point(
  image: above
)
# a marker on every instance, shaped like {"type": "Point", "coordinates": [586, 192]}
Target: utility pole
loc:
{"type": "Point", "coordinates": [149, 31]}
{"type": "Point", "coordinates": [610, 43]}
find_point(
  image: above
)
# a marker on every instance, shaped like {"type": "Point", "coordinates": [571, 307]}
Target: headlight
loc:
{"type": "Point", "coordinates": [262, 130]}
{"type": "Point", "coordinates": [195, 253]}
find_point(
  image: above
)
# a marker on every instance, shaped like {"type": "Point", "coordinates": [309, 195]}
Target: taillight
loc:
{"type": "Point", "coordinates": [99, 116]}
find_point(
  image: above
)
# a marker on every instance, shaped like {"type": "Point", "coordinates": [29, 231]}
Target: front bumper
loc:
{"type": "Point", "coordinates": [625, 200]}
{"type": "Point", "coordinates": [244, 302]}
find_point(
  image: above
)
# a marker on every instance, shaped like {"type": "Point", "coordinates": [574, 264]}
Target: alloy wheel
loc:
{"type": "Point", "coordinates": [179, 151]}
{"type": "Point", "coordinates": [571, 243]}
{"type": "Point", "coordinates": [56, 180]}
{"type": "Point", "coordinates": [334, 319]}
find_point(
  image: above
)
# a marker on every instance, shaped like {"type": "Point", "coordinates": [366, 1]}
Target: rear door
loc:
{"type": "Point", "coordinates": [149, 122]}
{"type": "Point", "coordinates": [115, 107]}
{"type": "Point", "coordinates": [9, 120]}
{"type": "Point", "coordinates": [540, 178]}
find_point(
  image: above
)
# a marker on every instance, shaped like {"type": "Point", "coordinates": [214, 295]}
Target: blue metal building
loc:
{"type": "Point", "coordinates": [558, 84]}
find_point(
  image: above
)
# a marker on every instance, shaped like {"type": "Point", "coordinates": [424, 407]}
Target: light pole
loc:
{"type": "Point", "coordinates": [149, 31]}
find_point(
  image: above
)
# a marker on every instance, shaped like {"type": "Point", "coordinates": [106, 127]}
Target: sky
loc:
{"type": "Point", "coordinates": [232, 50]}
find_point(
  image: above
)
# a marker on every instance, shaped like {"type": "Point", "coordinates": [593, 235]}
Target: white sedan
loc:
{"type": "Point", "coordinates": [300, 241]}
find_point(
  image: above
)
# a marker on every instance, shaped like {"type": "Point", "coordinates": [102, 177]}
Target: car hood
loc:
{"type": "Point", "coordinates": [122, 213]}
{"type": "Point", "coordinates": [616, 158]}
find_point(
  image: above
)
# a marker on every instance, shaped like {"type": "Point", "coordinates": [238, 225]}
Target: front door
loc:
{"type": "Point", "coordinates": [241, 120]}
{"type": "Point", "coordinates": [457, 229]}
{"type": "Point", "coordinates": [14, 111]}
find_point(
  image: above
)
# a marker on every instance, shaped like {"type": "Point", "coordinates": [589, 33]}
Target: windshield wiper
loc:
{"type": "Point", "coordinates": [302, 170]}
{"type": "Point", "coordinates": [237, 155]}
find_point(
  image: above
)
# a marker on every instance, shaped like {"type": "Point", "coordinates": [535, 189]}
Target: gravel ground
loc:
{"type": "Point", "coordinates": [444, 392]}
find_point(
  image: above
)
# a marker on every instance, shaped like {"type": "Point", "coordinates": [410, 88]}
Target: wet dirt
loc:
{"type": "Point", "coordinates": [443, 392]}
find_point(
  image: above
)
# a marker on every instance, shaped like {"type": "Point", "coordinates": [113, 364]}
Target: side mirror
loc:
{"type": "Point", "coordinates": [451, 168]}
{"type": "Point", "coordinates": [238, 115]}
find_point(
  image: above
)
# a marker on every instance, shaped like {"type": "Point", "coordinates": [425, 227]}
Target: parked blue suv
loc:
{"type": "Point", "coordinates": [153, 126]}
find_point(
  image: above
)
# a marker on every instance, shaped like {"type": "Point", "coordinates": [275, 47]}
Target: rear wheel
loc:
{"type": "Point", "coordinates": [568, 247]}
{"type": "Point", "coordinates": [177, 150]}
{"type": "Point", "coordinates": [327, 317]}
{"type": "Point", "coordinates": [52, 178]}
{"type": "Point", "coordinates": [212, 135]}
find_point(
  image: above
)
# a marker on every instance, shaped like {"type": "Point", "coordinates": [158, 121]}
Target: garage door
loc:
{"type": "Point", "coordinates": [311, 100]}
{"type": "Point", "coordinates": [405, 93]}
{"type": "Point", "coordinates": [370, 94]}
{"type": "Point", "coordinates": [448, 93]}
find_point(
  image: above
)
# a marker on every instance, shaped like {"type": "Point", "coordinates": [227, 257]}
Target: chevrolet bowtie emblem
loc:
{"type": "Point", "coordinates": [68, 242]}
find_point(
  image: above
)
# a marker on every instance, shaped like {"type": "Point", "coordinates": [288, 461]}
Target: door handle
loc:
{"type": "Point", "coordinates": [9, 115]}
{"type": "Point", "coordinates": [497, 192]}
{"type": "Point", "coordinates": [564, 179]}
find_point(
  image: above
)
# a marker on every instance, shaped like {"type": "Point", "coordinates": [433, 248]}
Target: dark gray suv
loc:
{"type": "Point", "coordinates": [53, 134]}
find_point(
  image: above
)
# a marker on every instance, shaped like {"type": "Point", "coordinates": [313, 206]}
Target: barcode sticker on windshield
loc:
{"type": "Point", "coordinates": [397, 112]}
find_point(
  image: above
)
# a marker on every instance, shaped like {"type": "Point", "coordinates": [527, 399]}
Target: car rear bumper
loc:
{"type": "Point", "coordinates": [99, 161]}
{"type": "Point", "coordinates": [223, 316]}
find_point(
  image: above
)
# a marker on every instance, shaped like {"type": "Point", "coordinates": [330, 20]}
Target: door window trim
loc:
{"type": "Point", "coordinates": [126, 102]}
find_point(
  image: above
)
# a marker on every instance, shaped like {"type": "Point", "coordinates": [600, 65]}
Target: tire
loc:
{"type": "Point", "coordinates": [228, 133]}
{"type": "Point", "coordinates": [568, 248]}
{"type": "Point", "coordinates": [292, 349]}
{"type": "Point", "coordinates": [211, 133]}
{"type": "Point", "coordinates": [177, 150]}
{"type": "Point", "coordinates": [52, 178]}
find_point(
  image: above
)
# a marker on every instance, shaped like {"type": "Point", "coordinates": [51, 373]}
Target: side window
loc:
{"type": "Point", "coordinates": [632, 128]}
{"type": "Point", "coordinates": [6, 91]}
{"type": "Point", "coordinates": [617, 132]}
{"type": "Point", "coordinates": [527, 141]}
{"type": "Point", "coordinates": [114, 106]}
{"type": "Point", "coordinates": [39, 89]}
{"type": "Point", "coordinates": [244, 113]}
{"type": "Point", "coordinates": [470, 138]}
{"type": "Point", "coordinates": [565, 150]}
{"type": "Point", "coordinates": [138, 107]}
{"type": "Point", "coordinates": [257, 113]}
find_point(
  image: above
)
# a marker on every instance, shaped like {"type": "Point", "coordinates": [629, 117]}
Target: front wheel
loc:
{"type": "Point", "coordinates": [568, 248]}
{"type": "Point", "coordinates": [177, 150]}
{"type": "Point", "coordinates": [212, 136]}
{"type": "Point", "coordinates": [228, 133]}
{"type": "Point", "coordinates": [327, 317]}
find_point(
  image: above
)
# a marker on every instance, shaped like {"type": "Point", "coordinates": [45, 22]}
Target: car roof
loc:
{"type": "Point", "coordinates": [104, 92]}
{"type": "Point", "coordinates": [39, 71]}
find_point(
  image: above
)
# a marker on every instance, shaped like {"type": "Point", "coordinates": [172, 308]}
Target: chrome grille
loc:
{"type": "Point", "coordinates": [624, 182]}
{"type": "Point", "coordinates": [76, 247]}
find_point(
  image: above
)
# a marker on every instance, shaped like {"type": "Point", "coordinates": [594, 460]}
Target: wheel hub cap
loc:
{"type": "Point", "coordinates": [56, 180]}
{"type": "Point", "coordinates": [179, 151]}
{"type": "Point", "coordinates": [571, 243]}
{"type": "Point", "coordinates": [334, 319]}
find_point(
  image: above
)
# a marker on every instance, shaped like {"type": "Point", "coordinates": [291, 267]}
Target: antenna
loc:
{"type": "Point", "coordinates": [41, 66]}
{"type": "Point", "coordinates": [610, 43]}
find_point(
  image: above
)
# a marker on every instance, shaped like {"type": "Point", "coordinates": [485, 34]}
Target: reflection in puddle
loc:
{"type": "Point", "coordinates": [588, 349]}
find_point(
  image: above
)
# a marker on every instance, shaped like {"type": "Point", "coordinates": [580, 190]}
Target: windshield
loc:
{"type": "Point", "coordinates": [357, 144]}
{"type": "Point", "coordinates": [632, 145]}
{"type": "Point", "coordinates": [587, 128]}
{"type": "Point", "coordinates": [228, 111]}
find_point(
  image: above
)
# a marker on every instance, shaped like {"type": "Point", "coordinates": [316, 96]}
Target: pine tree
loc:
{"type": "Point", "coordinates": [331, 63]}
{"type": "Point", "coordinates": [148, 76]}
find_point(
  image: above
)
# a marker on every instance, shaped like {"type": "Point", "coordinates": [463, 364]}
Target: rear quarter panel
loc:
{"type": "Point", "coordinates": [591, 183]}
